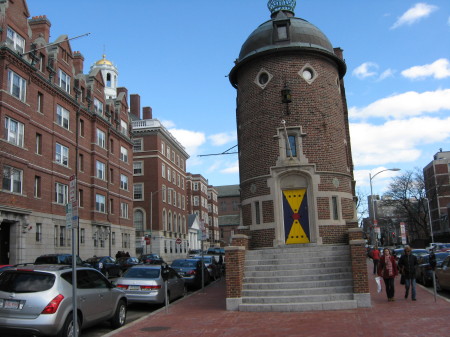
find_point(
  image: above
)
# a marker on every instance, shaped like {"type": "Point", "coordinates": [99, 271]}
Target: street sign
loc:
{"type": "Point", "coordinates": [69, 215]}
{"type": "Point", "coordinates": [178, 241]}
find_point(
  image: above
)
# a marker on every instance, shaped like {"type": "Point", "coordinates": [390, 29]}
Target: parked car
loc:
{"type": "Point", "coordinates": [215, 251]}
{"type": "Point", "coordinates": [418, 251]}
{"type": "Point", "coordinates": [424, 272]}
{"type": "Point", "coordinates": [442, 247]}
{"type": "Point", "coordinates": [443, 275]}
{"type": "Point", "coordinates": [127, 262]}
{"type": "Point", "coordinates": [3, 267]}
{"type": "Point", "coordinates": [191, 271]}
{"type": "Point", "coordinates": [194, 252]}
{"type": "Point", "coordinates": [37, 300]}
{"type": "Point", "coordinates": [398, 252]}
{"type": "Point", "coordinates": [59, 259]}
{"type": "Point", "coordinates": [151, 259]}
{"type": "Point", "coordinates": [106, 265]}
{"type": "Point", "coordinates": [211, 264]}
{"type": "Point", "coordinates": [144, 284]}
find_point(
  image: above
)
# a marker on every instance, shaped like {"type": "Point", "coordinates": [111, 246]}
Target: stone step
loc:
{"type": "Point", "coordinates": [294, 292]}
{"type": "Point", "coordinates": [290, 299]}
{"type": "Point", "coordinates": [295, 270]}
{"type": "Point", "coordinates": [282, 265]}
{"type": "Point", "coordinates": [277, 278]}
{"type": "Point", "coordinates": [330, 283]}
{"type": "Point", "coordinates": [299, 307]}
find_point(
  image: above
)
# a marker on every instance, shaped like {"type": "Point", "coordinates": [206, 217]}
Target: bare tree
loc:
{"type": "Point", "coordinates": [407, 193]}
{"type": "Point", "coordinates": [361, 205]}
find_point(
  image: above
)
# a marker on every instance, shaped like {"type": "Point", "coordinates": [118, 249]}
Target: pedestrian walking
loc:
{"type": "Point", "coordinates": [375, 259]}
{"type": "Point", "coordinates": [387, 269]}
{"type": "Point", "coordinates": [407, 266]}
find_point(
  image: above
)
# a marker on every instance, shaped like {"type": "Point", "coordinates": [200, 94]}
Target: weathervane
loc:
{"type": "Point", "coordinates": [281, 5]}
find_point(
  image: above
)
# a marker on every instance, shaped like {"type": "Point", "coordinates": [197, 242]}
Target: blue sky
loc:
{"type": "Point", "coordinates": [177, 54]}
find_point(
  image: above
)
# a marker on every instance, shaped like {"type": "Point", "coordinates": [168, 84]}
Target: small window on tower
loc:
{"type": "Point", "coordinates": [282, 32]}
{"type": "Point", "coordinates": [108, 79]}
{"type": "Point", "coordinates": [308, 73]}
{"type": "Point", "coordinates": [263, 78]}
{"type": "Point", "coordinates": [291, 148]}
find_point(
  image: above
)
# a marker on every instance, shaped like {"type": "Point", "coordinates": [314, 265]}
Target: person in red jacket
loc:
{"type": "Point", "coordinates": [387, 269]}
{"type": "Point", "coordinates": [375, 259]}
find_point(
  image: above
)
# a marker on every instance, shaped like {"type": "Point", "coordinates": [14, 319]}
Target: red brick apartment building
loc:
{"type": "Point", "coordinates": [159, 165]}
{"type": "Point", "coordinates": [56, 123]}
{"type": "Point", "coordinates": [199, 196]}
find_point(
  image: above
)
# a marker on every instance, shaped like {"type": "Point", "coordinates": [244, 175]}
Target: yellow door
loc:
{"type": "Point", "coordinates": [296, 222]}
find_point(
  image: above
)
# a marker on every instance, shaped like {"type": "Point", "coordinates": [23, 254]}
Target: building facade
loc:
{"type": "Point", "coordinates": [63, 142]}
{"type": "Point", "coordinates": [437, 188]}
{"type": "Point", "coordinates": [229, 212]}
{"type": "Point", "coordinates": [160, 187]}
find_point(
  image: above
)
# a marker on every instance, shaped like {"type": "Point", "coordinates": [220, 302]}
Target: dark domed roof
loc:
{"type": "Point", "coordinates": [302, 35]}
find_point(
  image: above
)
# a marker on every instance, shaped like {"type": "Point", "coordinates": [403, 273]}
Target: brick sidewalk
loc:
{"type": "Point", "coordinates": [203, 314]}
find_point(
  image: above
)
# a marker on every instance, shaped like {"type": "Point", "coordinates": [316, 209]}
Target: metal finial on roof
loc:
{"type": "Point", "coordinates": [281, 5]}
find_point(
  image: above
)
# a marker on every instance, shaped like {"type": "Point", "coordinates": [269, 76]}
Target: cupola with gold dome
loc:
{"type": "Point", "coordinates": [110, 75]}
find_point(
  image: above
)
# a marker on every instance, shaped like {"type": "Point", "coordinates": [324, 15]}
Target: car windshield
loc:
{"type": "Point", "coordinates": [441, 256]}
{"type": "Point", "coordinates": [25, 281]}
{"type": "Point", "coordinates": [93, 259]}
{"type": "Point", "coordinates": [184, 263]}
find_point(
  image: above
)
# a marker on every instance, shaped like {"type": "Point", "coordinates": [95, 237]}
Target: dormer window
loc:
{"type": "Point", "coordinates": [281, 31]}
{"type": "Point", "coordinates": [17, 41]}
{"type": "Point", "coordinates": [64, 80]}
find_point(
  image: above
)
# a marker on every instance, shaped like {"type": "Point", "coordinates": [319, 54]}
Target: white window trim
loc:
{"type": "Point", "coordinates": [13, 173]}
{"type": "Point", "coordinates": [22, 85]}
{"type": "Point", "coordinates": [65, 191]}
{"type": "Point", "coordinates": [62, 115]}
{"type": "Point", "coordinates": [62, 156]}
{"type": "Point", "coordinates": [16, 138]}
{"type": "Point", "coordinates": [64, 80]}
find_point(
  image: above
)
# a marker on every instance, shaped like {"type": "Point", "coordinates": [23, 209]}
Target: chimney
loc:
{"type": "Point", "coordinates": [40, 26]}
{"type": "Point", "coordinates": [124, 90]}
{"type": "Point", "coordinates": [78, 62]}
{"type": "Point", "coordinates": [147, 113]}
{"type": "Point", "coordinates": [135, 105]}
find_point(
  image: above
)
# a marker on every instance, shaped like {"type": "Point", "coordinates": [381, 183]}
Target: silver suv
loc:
{"type": "Point", "coordinates": [37, 300]}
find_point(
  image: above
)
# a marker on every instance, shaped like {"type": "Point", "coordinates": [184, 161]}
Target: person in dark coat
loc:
{"type": "Point", "coordinates": [407, 265]}
{"type": "Point", "coordinates": [387, 269]}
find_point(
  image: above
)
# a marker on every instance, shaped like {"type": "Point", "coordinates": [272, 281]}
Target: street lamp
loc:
{"type": "Point", "coordinates": [429, 219]}
{"type": "Point", "coordinates": [374, 223]}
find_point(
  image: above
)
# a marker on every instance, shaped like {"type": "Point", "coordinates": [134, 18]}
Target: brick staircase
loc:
{"type": "Point", "coordinates": [298, 278]}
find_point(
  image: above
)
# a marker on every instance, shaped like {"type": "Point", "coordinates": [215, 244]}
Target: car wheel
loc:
{"type": "Point", "coordinates": [67, 329]}
{"type": "Point", "coordinates": [120, 315]}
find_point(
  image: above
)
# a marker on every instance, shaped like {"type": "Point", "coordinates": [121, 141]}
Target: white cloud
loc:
{"type": "Point", "coordinates": [438, 69]}
{"type": "Point", "coordinates": [232, 168]}
{"type": "Point", "coordinates": [223, 138]}
{"type": "Point", "coordinates": [363, 178]}
{"type": "Point", "coordinates": [414, 14]}
{"type": "Point", "coordinates": [385, 74]}
{"type": "Point", "coordinates": [168, 124]}
{"type": "Point", "coordinates": [396, 141]}
{"type": "Point", "coordinates": [367, 69]}
{"type": "Point", "coordinates": [191, 140]}
{"type": "Point", "coordinates": [403, 105]}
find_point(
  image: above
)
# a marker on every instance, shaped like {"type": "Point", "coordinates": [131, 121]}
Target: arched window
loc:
{"type": "Point", "coordinates": [164, 219]}
{"type": "Point", "coordinates": [169, 223]}
{"type": "Point", "coordinates": [138, 219]}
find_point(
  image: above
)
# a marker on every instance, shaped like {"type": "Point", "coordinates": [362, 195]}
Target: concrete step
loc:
{"type": "Point", "coordinates": [276, 278]}
{"type": "Point", "coordinates": [329, 284]}
{"type": "Point", "coordinates": [298, 307]}
{"type": "Point", "coordinates": [299, 278]}
{"type": "Point", "coordinates": [294, 293]}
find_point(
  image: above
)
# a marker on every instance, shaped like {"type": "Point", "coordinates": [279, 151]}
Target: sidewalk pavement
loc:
{"type": "Point", "coordinates": [203, 314]}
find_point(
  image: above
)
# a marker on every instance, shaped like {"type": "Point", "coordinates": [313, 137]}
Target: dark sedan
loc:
{"type": "Point", "coordinates": [424, 272]}
{"type": "Point", "coordinates": [106, 265]}
{"type": "Point", "coordinates": [151, 259]}
{"type": "Point", "coordinates": [443, 275]}
{"type": "Point", "coordinates": [127, 262]}
{"type": "Point", "coordinates": [191, 271]}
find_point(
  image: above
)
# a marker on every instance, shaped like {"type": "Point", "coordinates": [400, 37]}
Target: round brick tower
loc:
{"type": "Point", "coordinates": [296, 170]}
